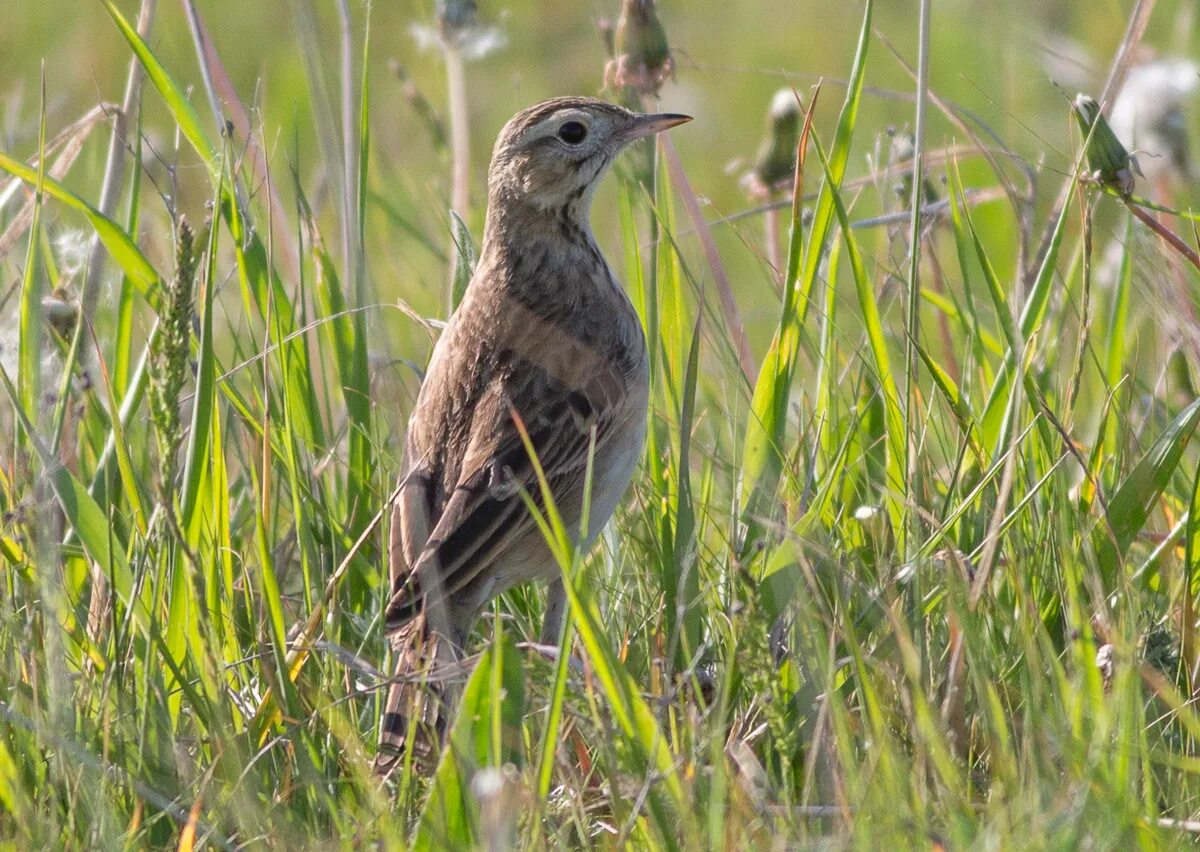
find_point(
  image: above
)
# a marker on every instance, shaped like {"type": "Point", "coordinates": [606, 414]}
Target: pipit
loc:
{"type": "Point", "coordinates": [544, 341]}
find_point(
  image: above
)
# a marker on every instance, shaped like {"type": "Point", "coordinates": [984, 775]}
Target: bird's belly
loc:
{"type": "Point", "coordinates": [612, 472]}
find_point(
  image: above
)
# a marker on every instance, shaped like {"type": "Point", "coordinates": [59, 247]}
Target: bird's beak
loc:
{"type": "Point", "coordinates": [648, 125]}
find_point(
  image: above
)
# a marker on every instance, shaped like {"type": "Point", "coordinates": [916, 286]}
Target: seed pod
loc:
{"type": "Point", "coordinates": [775, 165]}
{"type": "Point", "coordinates": [1108, 159]}
{"type": "Point", "coordinates": [643, 57]}
{"type": "Point", "coordinates": [61, 311]}
{"type": "Point", "coordinates": [608, 35]}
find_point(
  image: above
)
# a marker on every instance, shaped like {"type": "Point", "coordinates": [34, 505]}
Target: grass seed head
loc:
{"type": "Point", "coordinates": [170, 353]}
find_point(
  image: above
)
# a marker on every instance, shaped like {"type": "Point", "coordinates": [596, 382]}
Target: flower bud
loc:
{"type": "Point", "coordinates": [608, 35]}
{"type": "Point", "coordinates": [643, 56]}
{"type": "Point", "coordinates": [454, 16]}
{"type": "Point", "coordinates": [775, 165]}
{"type": "Point", "coordinates": [902, 150]}
{"type": "Point", "coordinates": [61, 311]}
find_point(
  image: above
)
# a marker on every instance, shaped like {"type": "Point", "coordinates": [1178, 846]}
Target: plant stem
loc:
{"type": "Point", "coordinates": [114, 172]}
{"type": "Point", "coordinates": [913, 323]}
{"type": "Point", "coordinates": [460, 150]}
{"type": "Point", "coordinates": [771, 223]}
{"type": "Point", "coordinates": [1169, 236]}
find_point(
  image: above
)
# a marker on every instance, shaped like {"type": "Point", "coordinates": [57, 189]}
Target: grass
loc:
{"type": "Point", "coordinates": [922, 571]}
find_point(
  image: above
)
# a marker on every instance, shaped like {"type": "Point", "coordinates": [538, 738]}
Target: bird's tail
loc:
{"type": "Point", "coordinates": [413, 710]}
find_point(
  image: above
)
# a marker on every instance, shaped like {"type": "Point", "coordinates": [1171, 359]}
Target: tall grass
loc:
{"type": "Point", "coordinates": [923, 572]}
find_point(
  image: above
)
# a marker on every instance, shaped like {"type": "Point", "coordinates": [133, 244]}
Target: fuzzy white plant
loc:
{"type": "Point", "coordinates": [1150, 118]}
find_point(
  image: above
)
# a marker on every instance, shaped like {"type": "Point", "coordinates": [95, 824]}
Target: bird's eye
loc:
{"type": "Point", "coordinates": [572, 132]}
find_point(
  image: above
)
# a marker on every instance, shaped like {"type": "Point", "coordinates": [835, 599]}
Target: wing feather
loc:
{"type": "Point", "coordinates": [485, 513]}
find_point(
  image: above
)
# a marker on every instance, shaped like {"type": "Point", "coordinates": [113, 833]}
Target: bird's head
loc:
{"type": "Point", "coordinates": [551, 155]}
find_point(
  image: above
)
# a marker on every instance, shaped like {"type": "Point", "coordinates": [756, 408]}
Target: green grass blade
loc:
{"type": "Point", "coordinates": [1135, 498]}
{"type": "Point", "coordinates": [119, 244]}
{"type": "Point", "coordinates": [894, 413]}
{"type": "Point", "coordinates": [130, 484]}
{"type": "Point", "coordinates": [644, 744]}
{"type": "Point", "coordinates": [181, 109]}
{"type": "Point", "coordinates": [766, 429]}
{"type": "Point", "coordinates": [464, 261]}
{"type": "Point", "coordinates": [84, 515]}
{"type": "Point", "coordinates": [1191, 541]}
{"type": "Point", "coordinates": [1118, 329]}
{"type": "Point", "coordinates": [203, 400]}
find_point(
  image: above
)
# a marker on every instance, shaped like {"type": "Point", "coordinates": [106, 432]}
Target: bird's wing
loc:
{"type": "Point", "coordinates": [483, 512]}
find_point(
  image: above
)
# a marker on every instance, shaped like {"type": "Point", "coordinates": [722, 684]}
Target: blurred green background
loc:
{"type": "Point", "coordinates": [994, 59]}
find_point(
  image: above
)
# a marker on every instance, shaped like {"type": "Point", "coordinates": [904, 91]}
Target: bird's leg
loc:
{"type": "Point", "coordinates": [556, 607]}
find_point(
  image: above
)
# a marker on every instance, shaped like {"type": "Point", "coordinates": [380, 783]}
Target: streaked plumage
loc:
{"type": "Point", "coordinates": [544, 334]}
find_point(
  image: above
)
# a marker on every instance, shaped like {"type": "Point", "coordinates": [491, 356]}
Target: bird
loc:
{"type": "Point", "coordinates": [545, 344]}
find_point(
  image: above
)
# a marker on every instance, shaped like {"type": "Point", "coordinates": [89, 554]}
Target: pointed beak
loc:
{"type": "Point", "coordinates": [648, 125]}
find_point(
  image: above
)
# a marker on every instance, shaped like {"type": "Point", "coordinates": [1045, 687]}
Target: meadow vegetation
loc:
{"type": "Point", "coordinates": [910, 559]}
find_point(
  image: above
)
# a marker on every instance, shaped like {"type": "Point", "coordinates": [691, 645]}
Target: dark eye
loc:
{"type": "Point", "coordinates": [572, 132]}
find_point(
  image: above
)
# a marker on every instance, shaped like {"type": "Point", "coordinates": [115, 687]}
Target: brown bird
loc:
{"type": "Point", "coordinates": [546, 337]}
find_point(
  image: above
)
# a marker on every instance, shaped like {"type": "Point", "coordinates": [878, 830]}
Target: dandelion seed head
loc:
{"type": "Point", "coordinates": [865, 513]}
{"type": "Point", "coordinates": [784, 104]}
{"type": "Point", "coordinates": [1150, 114]}
{"type": "Point", "coordinates": [487, 783]}
{"type": "Point", "coordinates": [71, 247]}
{"type": "Point", "coordinates": [479, 42]}
{"type": "Point", "coordinates": [472, 42]}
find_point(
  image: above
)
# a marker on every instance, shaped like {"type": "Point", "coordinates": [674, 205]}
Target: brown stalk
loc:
{"type": "Point", "coordinates": [1169, 237]}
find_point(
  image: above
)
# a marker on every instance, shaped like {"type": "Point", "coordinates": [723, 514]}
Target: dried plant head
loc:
{"type": "Point", "coordinates": [1150, 115]}
{"type": "Point", "coordinates": [643, 56]}
{"type": "Point", "coordinates": [170, 353]}
{"type": "Point", "coordinates": [775, 163]}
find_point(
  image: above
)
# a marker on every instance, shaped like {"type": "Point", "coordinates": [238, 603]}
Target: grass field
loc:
{"type": "Point", "coordinates": [910, 560]}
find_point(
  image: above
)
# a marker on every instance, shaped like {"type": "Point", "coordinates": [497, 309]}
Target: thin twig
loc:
{"type": "Point", "coordinates": [1139, 19]}
{"type": "Point", "coordinates": [71, 141]}
{"type": "Point", "coordinates": [914, 276]}
{"type": "Point", "coordinates": [771, 225]}
{"type": "Point", "coordinates": [350, 242]}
